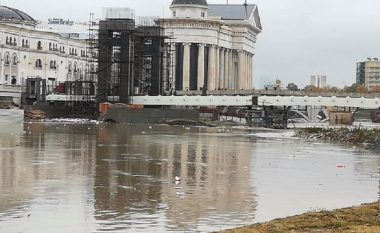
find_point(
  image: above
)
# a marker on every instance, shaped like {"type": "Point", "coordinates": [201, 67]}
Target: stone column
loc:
{"type": "Point", "coordinates": [217, 64]}
{"type": "Point", "coordinates": [211, 68]}
{"type": "Point", "coordinates": [246, 72]}
{"type": "Point", "coordinates": [186, 67]}
{"type": "Point", "coordinates": [2, 71]}
{"type": "Point", "coordinates": [174, 65]}
{"type": "Point", "coordinates": [221, 68]}
{"type": "Point", "coordinates": [201, 66]}
{"type": "Point", "coordinates": [226, 70]}
{"type": "Point", "coordinates": [240, 70]}
{"type": "Point", "coordinates": [231, 79]}
{"type": "Point", "coordinates": [247, 78]}
{"type": "Point", "coordinates": [250, 84]}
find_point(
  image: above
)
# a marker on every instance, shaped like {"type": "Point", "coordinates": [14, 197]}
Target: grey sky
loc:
{"type": "Point", "coordinates": [300, 37]}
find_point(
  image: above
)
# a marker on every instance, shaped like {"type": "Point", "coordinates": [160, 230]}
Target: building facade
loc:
{"type": "Point", "coordinates": [319, 81]}
{"type": "Point", "coordinates": [368, 73]}
{"type": "Point", "coordinates": [212, 45]}
{"type": "Point", "coordinates": [29, 53]}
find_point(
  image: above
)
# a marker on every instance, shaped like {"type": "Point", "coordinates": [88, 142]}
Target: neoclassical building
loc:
{"type": "Point", "coordinates": [213, 44]}
{"type": "Point", "coordinates": [27, 52]}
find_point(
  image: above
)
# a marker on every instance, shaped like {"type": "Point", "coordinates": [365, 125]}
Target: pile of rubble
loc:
{"type": "Point", "coordinates": [35, 114]}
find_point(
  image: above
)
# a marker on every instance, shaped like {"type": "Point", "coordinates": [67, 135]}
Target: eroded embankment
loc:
{"type": "Point", "coordinates": [367, 138]}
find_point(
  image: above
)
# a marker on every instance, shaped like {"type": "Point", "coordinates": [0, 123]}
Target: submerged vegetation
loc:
{"type": "Point", "coordinates": [362, 219]}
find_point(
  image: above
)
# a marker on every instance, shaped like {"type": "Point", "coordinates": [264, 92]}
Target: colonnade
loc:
{"type": "Point", "coordinates": [217, 67]}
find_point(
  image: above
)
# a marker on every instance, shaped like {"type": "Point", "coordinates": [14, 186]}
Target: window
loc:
{"type": "Point", "coordinates": [174, 14]}
{"type": "Point", "coordinates": [6, 60]}
{"type": "Point", "coordinates": [50, 46]}
{"type": "Point", "coordinates": [39, 45]}
{"type": "Point", "coordinates": [6, 79]}
{"type": "Point", "coordinates": [39, 63]}
{"type": "Point", "coordinates": [202, 14]}
{"type": "Point", "coordinates": [14, 80]}
{"type": "Point", "coordinates": [23, 43]}
{"type": "Point", "coordinates": [7, 41]}
{"type": "Point", "coordinates": [14, 60]}
{"type": "Point", "coordinates": [14, 42]}
{"type": "Point", "coordinates": [116, 34]}
{"type": "Point", "coordinates": [53, 65]}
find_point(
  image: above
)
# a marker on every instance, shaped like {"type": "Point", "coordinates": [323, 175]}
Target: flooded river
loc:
{"type": "Point", "coordinates": [83, 178]}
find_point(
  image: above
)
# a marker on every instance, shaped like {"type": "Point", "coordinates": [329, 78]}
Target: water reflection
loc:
{"type": "Point", "coordinates": [136, 175]}
{"type": "Point", "coordinates": [138, 178]}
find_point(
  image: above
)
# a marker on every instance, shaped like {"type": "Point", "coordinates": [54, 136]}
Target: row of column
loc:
{"type": "Point", "coordinates": [227, 69]}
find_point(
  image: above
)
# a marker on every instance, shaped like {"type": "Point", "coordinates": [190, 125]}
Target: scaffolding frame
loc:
{"type": "Point", "coordinates": [133, 60]}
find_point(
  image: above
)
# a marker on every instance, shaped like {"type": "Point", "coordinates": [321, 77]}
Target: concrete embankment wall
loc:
{"type": "Point", "coordinates": [60, 111]}
{"type": "Point", "coordinates": [151, 116]}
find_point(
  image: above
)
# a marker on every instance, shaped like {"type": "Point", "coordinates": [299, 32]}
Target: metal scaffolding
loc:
{"type": "Point", "coordinates": [133, 60]}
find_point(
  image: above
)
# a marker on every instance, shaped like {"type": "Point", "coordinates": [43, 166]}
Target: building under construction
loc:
{"type": "Point", "coordinates": [132, 60]}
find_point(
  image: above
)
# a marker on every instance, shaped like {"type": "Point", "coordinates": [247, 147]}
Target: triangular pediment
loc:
{"type": "Point", "coordinates": [255, 19]}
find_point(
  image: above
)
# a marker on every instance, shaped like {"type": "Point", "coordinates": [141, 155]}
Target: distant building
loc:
{"type": "Point", "coordinates": [368, 73]}
{"type": "Point", "coordinates": [213, 44]}
{"type": "Point", "coordinates": [275, 85]}
{"type": "Point", "coordinates": [34, 59]}
{"type": "Point", "coordinates": [318, 81]}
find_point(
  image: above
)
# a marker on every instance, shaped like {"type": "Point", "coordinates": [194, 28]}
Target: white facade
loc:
{"type": "Point", "coordinates": [27, 52]}
{"type": "Point", "coordinates": [318, 81]}
{"type": "Point", "coordinates": [212, 44]}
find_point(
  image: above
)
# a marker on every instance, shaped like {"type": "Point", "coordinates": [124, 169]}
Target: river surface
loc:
{"type": "Point", "coordinates": [84, 178]}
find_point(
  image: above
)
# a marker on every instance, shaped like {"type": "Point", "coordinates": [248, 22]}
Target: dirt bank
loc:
{"type": "Point", "coordinates": [362, 219]}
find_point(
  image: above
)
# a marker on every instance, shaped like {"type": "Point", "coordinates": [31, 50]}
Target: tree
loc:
{"type": "Point", "coordinates": [376, 89]}
{"type": "Point", "coordinates": [350, 89]}
{"type": "Point", "coordinates": [311, 88]}
{"type": "Point", "coordinates": [292, 87]}
{"type": "Point", "coordinates": [361, 89]}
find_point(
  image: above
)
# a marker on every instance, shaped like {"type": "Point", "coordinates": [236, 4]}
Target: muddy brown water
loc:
{"type": "Point", "coordinates": [57, 177]}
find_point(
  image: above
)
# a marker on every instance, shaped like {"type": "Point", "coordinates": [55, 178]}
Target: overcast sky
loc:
{"type": "Point", "coordinates": [299, 38]}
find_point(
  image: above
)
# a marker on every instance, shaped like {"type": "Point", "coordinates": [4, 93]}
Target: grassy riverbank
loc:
{"type": "Point", "coordinates": [361, 219]}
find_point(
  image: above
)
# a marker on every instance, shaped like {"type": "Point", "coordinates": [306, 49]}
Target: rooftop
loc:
{"type": "Point", "coordinates": [14, 15]}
